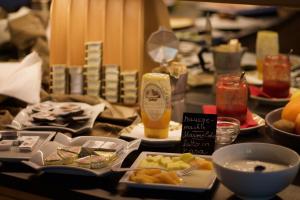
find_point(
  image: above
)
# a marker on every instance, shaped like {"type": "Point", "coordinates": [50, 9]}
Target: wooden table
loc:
{"type": "Point", "coordinates": [18, 181]}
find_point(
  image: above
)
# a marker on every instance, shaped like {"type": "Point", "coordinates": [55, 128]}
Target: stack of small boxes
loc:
{"type": "Point", "coordinates": [110, 82]}
{"type": "Point", "coordinates": [106, 81]}
{"type": "Point", "coordinates": [93, 60]}
{"type": "Point", "coordinates": [75, 80]}
{"type": "Point", "coordinates": [59, 79]}
{"type": "Point", "coordinates": [129, 87]}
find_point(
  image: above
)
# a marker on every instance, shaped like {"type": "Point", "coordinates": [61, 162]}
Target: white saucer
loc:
{"type": "Point", "coordinates": [137, 132]}
{"type": "Point", "coordinates": [260, 123]}
{"type": "Point", "coordinates": [274, 101]}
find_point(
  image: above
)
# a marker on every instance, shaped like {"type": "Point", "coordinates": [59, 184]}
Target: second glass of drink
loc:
{"type": "Point", "coordinates": [266, 44]}
{"type": "Point", "coordinates": [277, 76]}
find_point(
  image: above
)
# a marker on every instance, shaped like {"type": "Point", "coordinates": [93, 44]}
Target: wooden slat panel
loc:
{"type": "Point", "coordinates": [132, 30]}
{"type": "Point", "coordinates": [76, 32]}
{"type": "Point", "coordinates": [58, 41]}
{"type": "Point", "coordinates": [114, 32]}
{"type": "Point", "coordinates": [95, 26]}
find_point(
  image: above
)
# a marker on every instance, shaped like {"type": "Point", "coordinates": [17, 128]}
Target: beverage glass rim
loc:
{"type": "Point", "coordinates": [228, 119]}
{"type": "Point", "coordinates": [268, 32]}
{"type": "Point", "coordinates": [231, 78]}
{"type": "Point", "coordinates": [277, 58]}
{"type": "Point", "coordinates": [234, 74]}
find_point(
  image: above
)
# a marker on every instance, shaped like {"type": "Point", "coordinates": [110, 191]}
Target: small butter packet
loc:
{"type": "Point", "coordinates": [94, 55]}
{"type": "Point", "coordinates": [94, 50]}
{"type": "Point", "coordinates": [129, 99]}
{"type": "Point", "coordinates": [110, 156]}
{"type": "Point", "coordinates": [89, 78]}
{"type": "Point", "coordinates": [93, 89]}
{"type": "Point", "coordinates": [110, 84]}
{"type": "Point", "coordinates": [93, 60]}
{"type": "Point", "coordinates": [92, 144]}
{"type": "Point", "coordinates": [93, 44]}
{"type": "Point", "coordinates": [5, 145]}
{"type": "Point", "coordinates": [9, 135]}
{"type": "Point", "coordinates": [92, 69]}
{"type": "Point", "coordinates": [58, 90]}
{"type": "Point", "coordinates": [110, 92]}
{"type": "Point", "coordinates": [112, 77]}
{"type": "Point", "coordinates": [102, 146]}
{"type": "Point", "coordinates": [129, 85]}
{"type": "Point", "coordinates": [93, 84]}
{"type": "Point", "coordinates": [111, 68]}
{"type": "Point", "coordinates": [59, 69]}
{"type": "Point", "coordinates": [129, 76]}
{"type": "Point", "coordinates": [28, 143]}
{"type": "Point", "coordinates": [129, 90]}
{"type": "Point", "coordinates": [59, 82]}
{"type": "Point", "coordinates": [111, 146]}
{"type": "Point", "coordinates": [112, 99]}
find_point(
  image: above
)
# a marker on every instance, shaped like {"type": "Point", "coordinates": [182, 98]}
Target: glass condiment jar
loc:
{"type": "Point", "coordinates": [232, 96]}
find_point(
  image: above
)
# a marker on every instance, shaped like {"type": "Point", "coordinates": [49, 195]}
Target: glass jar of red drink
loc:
{"type": "Point", "coordinates": [277, 76]}
{"type": "Point", "coordinates": [232, 96]}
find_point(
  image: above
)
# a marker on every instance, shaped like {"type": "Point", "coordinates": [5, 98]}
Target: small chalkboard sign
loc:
{"type": "Point", "coordinates": [198, 133]}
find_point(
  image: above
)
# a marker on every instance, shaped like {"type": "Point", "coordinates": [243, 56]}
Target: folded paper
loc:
{"type": "Point", "coordinates": [22, 80]}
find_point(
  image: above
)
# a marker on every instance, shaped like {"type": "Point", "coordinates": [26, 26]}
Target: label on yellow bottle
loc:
{"type": "Point", "coordinates": [154, 101]}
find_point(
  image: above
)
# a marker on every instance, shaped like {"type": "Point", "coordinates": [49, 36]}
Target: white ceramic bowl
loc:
{"type": "Point", "coordinates": [256, 185]}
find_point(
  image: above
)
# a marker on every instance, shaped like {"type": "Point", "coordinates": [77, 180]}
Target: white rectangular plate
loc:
{"type": "Point", "coordinates": [14, 155]}
{"type": "Point", "coordinates": [137, 132]}
{"type": "Point", "coordinates": [196, 181]}
{"type": "Point", "coordinates": [37, 160]}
